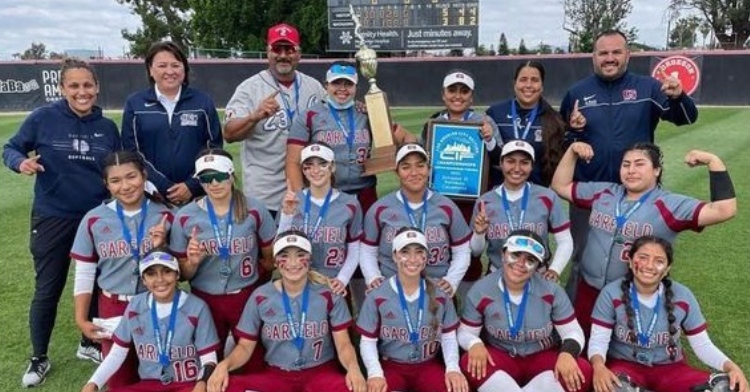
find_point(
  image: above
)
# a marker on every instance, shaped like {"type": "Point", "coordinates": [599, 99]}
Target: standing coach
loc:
{"type": "Point", "coordinates": [612, 110]}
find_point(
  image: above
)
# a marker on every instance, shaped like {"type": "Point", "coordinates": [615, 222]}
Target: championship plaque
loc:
{"type": "Point", "coordinates": [458, 161]}
{"type": "Point", "coordinates": [383, 152]}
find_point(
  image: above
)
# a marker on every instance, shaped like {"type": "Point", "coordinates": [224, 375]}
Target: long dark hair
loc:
{"type": "Point", "coordinates": [668, 293]}
{"type": "Point", "coordinates": [553, 128]}
{"type": "Point", "coordinates": [118, 158]}
{"type": "Point", "coordinates": [171, 47]}
{"type": "Point", "coordinates": [238, 198]}
{"type": "Point", "coordinates": [432, 303]}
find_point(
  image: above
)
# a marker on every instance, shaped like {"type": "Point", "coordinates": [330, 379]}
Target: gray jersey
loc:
{"type": "Point", "coordinates": [445, 227]}
{"type": "Point", "coordinates": [341, 225]}
{"type": "Point", "coordinates": [255, 232]}
{"type": "Point", "coordinates": [663, 214]}
{"type": "Point", "coordinates": [264, 151]}
{"type": "Point", "coordinates": [609, 312]}
{"type": "Point", "coordinates": [100, 240]}
{"type": "Point", "coordinates": [382, 318]}
{"type": "Point", "coordinates": [547, 305]}
{"type": "Point", "coordinates": [319, 124]}
{"type": "Point", "coordinates": [264, 319]}
{"type": "Point", "coordinates": [544, 215]}
{"type": "Point", "coordinates": [194, 335]}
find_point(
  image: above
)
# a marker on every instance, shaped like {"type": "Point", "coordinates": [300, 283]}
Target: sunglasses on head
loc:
{"type": "Point", "coordinates": [154, 256]}
{"type": "Point", "coordinates": [279, 49]}
{"type": "Point", "coordinates": [527, 243]}
{"type": "Point", "coordinates": [208, 178]}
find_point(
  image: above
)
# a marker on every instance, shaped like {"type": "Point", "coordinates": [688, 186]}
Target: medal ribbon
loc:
{"type": "Point", "coordinates": [515, 326]}
{"type": "Point", "coordinates": [516, 121]}
{"type": "Point", "coordinates": [321, 214]}
{"type": "Point", "coordinates": [524, 205]}
{"type": "Point", "coordinates": [410, 212]}
{"type": "Point", "coordinates": [465, 118]}
{"type": "Point", "coordinates": [351, 131]}
{"type": "Point", "coordinates": [643, 338]}
{"type": "Point", "coordinates": [287, 107]}
{"type": "Point", "coordinates": [621, 218]}
{"type": "Point", "coordinates": [299, 340]}
{"type": "Point", "coordinates": [223, 242]}
{"type": "Point", "coordinates": [135, 251]}
{"type": "Point", "coordinates": [413, 329]}
{"type": "Point", "coordinates": [164, 346]}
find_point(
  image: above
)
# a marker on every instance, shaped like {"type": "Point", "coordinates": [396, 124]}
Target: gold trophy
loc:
{"type": "Point", "coordinates": [383, 153]}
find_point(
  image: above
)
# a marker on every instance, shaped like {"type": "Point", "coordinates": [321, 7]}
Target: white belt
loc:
{"type": "Point", "coordinates": [117, 297]}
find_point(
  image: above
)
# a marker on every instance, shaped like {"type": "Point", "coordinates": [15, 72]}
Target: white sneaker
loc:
{"type": "Point", "coordinates": [37, 371]}
{"type": "Point", "coordinates": [91, 352]}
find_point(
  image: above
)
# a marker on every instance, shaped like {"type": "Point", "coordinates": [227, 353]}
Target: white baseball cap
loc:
{"type": "Point", "coordinates": [158, 258]}
{"type": "Point", "coordinates": [458, 77]}
{"type": "Point", "coordinates": [409, 237]}
{"type": "Point", "coordinates": [285, 241]}
{"type": "Point", "coordinates": [342, 71]}
{"type": "Point", "coordinates": [517, 145]}
{"type": "Point", "coordinates": [522, 243]}
{"type": "Point", "coordinates": [214, 162]}
{"type": "Point", "coordinates": [409, 148]}
{"type": "Point", "coordinates": [317, 150]}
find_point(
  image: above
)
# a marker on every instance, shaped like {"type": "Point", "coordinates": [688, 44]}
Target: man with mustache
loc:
{"type": "Point", "coordinates": [261, 111]}
{"type": "Point", "coordinates": [612, 110]}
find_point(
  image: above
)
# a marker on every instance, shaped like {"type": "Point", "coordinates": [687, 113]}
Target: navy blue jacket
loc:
{"type": "Point", "coordinates": [620, 113]}
{"type": "Point", "coordinates": [170, 149]}
{"type": "Point", "coordinates": [502, 114]}
{"type": "Point", "coordinates": [71, 149]}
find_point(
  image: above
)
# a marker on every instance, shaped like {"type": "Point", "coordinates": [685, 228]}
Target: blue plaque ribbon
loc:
{"type": "Point", "coordinates": [299, 340]}
{"type": "Point", "coordinates": [224, 243]}
{"type": "Point", "coordinates": [321, 214]}
{"type": "Point", "coordinates": [351, 132]}
{"type": "Point", "coordinates": [621, 218]}
{"type": "Point", "coordinates": [412, 328]}
{"type": "Point", "coordinates": [524, 205]}
{"type": "Point", "coordinates": [410, 212]}
{"type": "Point", "coordinates": [164, 346]}
{"type": "Point", "coordinates": [515, 326]}
{"type": "Point", "coordinates": [288, 107]}
{"type": "Point", "coordinates": [644, 337]}
{"type": "Point", "coordinates": [516, 120]}
{"type": "Point", "coordinates": [135, 250]}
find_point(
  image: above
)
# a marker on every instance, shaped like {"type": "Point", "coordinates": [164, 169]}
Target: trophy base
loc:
{"type": "Point", "coordinates": [382, 159]}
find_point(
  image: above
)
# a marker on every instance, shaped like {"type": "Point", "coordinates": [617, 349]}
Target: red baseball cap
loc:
{"type": "Point", "coordinates": [283, 32]}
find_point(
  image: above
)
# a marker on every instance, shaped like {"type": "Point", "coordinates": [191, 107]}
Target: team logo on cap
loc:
{"type": "Point", "coordinates": [411, 147]}
{"type": "Point", "coordinates": [459, 76]}
{"type": "Point", "coordinates": [283, 30]}
{"type": "Point", "coordinates": [315, 148]}
{"type": "Point", "coordinates": [291, 238]}
{"type": "Point", "coordinates": [208, 158]}
{"type": "Point", "coordinates": [411, 234]}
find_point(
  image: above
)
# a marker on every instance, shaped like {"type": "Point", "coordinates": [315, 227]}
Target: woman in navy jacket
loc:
{"type": "Point", "coordinates": [169, 123]}
{"type": "Point", "coordinates": [70, 138]}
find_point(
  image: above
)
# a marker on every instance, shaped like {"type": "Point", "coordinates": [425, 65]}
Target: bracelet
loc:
{"type": "Point", "coordinates": [206, 372]}
{"type": "Point", "coordinates": [571, 347]}
{"type": "Point", "coordinates": [721, 185]}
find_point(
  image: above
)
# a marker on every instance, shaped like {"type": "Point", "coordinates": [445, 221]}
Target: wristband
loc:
{"type": "Point", "coordinates": [721, 185]}
{"type": "Point", "coordinates": [206, 372]}
{"type": "Point", "coordinates": [571, 347]}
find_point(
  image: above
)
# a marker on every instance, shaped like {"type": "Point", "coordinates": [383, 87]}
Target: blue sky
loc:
{"type": "Point", "coordinates": [93, 24]}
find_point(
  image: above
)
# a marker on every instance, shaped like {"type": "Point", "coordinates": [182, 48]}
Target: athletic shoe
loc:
{"type": "Point", "coordinates": [37, 371]}
{"type": "Point", "coordinates": [91, 352]}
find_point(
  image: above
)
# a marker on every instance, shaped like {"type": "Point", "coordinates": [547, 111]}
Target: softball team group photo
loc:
{"type": "Point", "coordinates": [285, 270]}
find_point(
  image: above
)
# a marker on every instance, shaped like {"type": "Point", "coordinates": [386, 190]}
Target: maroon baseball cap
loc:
{"type": "Point", "coordinates": [283, 32]}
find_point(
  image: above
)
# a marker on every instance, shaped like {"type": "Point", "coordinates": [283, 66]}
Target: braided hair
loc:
{"type": "Point", "coordinates": [668, 293]}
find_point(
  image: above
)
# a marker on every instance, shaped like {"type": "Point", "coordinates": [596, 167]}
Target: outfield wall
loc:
{"type": "Point", "coordinates": [722, 78]}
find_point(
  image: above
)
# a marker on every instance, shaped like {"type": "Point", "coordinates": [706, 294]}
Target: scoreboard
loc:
{"type": "Point", "coordinates": [399, 25]}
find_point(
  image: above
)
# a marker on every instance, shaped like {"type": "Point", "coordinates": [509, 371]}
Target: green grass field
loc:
{"type": "Point", "coordinates": [713, 263]}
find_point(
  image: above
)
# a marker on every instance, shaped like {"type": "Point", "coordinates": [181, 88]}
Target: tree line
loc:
{"type": "Point", "coordinates": [232, 27]}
